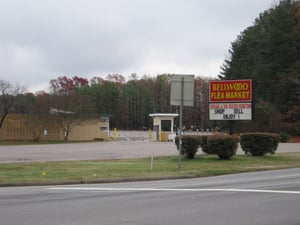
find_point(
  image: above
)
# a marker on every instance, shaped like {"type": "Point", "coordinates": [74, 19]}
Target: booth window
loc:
{"type": "Point", "coordinates": [166, 125]}
{"type": "Point", "coordinates": [103, 128]}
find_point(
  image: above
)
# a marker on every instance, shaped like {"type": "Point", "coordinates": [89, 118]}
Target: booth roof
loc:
{"type": "Point", "coordinates": [163, 114]}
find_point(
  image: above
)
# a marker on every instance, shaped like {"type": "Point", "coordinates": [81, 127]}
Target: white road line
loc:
{"type": "Point", "coordinates": [269, 185]}
{"type": "Point", "coordinates": [174, 189]}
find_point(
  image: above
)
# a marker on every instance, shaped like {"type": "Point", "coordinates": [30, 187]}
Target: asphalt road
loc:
{"type": "Point", "coordinates": [100, 150]}
{"type": "Point", "coordinates": [264, 198]}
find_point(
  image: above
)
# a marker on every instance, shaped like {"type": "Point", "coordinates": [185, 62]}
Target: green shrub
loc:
{"type": "Point", "coordinates": [223, 146]}
{"type": "Point", "coordinates": [190, 145]}
{"type": "Point", "coordinates": [204, 146]}
{"type": "Point", "coordinates": [259, 144]}
{"type": "Point", "coordinates": [284, 137]}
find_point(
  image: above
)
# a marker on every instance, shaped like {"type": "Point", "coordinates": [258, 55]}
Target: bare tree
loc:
{"type": "Point", "coordinates": [8, 96]}
{"type": "Point", "coordinates": [37, 109]}
{"type": "Point", "coordinates": [65, 109]}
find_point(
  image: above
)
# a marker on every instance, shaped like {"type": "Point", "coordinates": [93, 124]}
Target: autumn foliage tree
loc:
{"type": "Point", "coordinates": [64, 85]}
{"type": "Point", "coordinates": [67, 103]}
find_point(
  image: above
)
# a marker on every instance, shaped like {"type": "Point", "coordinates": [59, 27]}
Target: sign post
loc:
{"type": "Point", "coordinates": [182, 94]}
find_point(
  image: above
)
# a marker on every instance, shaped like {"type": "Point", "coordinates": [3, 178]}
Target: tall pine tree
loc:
{"type": "Point", "coordinates": [268, 52]}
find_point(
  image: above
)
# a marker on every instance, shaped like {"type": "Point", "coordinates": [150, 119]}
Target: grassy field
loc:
{"type": "Point", "coordinates": [41, 173]}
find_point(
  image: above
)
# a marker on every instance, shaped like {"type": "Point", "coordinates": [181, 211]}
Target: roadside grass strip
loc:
{"type": "Point", "coordinates": [99, 171]}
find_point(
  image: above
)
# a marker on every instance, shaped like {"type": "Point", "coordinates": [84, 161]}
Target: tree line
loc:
{"type": "Point", "coordinates": [127, 103]}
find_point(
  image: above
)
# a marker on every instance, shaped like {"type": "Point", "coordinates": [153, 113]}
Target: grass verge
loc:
{"type": "Point", "coordinates": [41, 173]}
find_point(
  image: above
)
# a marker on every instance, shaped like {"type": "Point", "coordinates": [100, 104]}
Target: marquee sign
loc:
{"type": "Point", "coordinates": [230, 111]}
{"type": "Point", "coordinates": [230, 100]}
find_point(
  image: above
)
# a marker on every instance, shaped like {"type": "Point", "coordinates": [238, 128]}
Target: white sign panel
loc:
{"type": "Point", "coordinates": [230, 111]}
{"type": "Point", "coordinates": [183, 83]}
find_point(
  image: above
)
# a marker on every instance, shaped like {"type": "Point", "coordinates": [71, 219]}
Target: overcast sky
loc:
{"type": "Point", "coordinates": [43, 39]}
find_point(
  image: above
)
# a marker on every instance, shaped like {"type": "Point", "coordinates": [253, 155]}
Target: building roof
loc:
{"type": "Point", "coordinates": [163, 114]}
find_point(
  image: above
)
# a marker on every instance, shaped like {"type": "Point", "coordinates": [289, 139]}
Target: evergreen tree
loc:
{"type": "Point", "coordinates": [268, 52]}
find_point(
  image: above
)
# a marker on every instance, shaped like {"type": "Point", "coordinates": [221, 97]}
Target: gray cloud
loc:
{"type": "Point", "coordinates": [41, 40]}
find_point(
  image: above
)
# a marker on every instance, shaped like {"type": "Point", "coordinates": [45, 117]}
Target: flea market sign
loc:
{"type": "Point", "coordinates": [230, 100]}
{"type": "Point", "coordinates": [230, 91]}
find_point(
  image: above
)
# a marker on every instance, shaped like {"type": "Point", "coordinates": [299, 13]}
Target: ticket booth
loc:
{"type": "Point", "coordinates": [163, 124]}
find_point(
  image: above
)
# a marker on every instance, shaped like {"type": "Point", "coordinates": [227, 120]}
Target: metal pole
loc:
{"type": "Point", "coordinates": [180, 124]}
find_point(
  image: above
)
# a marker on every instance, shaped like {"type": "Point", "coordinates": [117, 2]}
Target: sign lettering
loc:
{"type": "Point", "coordinates": [230, 111]}
{"type": "Point", "coordinates": [230, 91]}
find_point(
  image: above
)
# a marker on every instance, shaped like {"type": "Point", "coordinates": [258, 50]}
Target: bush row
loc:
{"type": "Point", "coordinates": [256, 144]}
{"type": "Point", "coordinates": [259, 144]}
{"type": "Point", "coordinates": [190, 145]}
{"type": "Point", "coordinates": [223, 146]}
